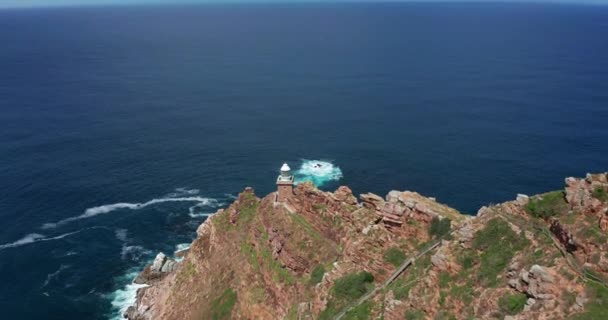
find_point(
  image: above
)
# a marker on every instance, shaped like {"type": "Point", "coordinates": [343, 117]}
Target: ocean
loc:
{"type": "Point", "coordinates": [123, 128]}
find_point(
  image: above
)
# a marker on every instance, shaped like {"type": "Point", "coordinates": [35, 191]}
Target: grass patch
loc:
{"type": "Point", "coordinates": [279, 273]}
{"type": "Point", "coordinates": [597, 307]}
{"type": "Point", "coordinates": [414, 315]}
{"type": "Point", "coordinates": [394, 256]}
{"type": "Point", "coordinates": [444, 279]}
{"type": "Point", "coordinates": [346, 290]}
{"type": "Point", "coordinates": [498, 243]}
{"type": "Point", "coordinates": [512, 304]}
{"type": "Point", "coordinates": [360, 312]}
{"type": "Point", "coordinates": [547, 205]}
{"type": "Point", "coordinates": [221, 308]}
{"type": "Point", "coordinates": [302, 222]}
{"type": "Point", "coordinates": [248, 250]}
{"type": "Point", "coordinates": [600, 194]}
{"type": "Point", "coordinates": [440, 227]}
{"type": "Point", "coordinates": [317, 274]}
{"type": "Point", "coordinates": [463, 293]}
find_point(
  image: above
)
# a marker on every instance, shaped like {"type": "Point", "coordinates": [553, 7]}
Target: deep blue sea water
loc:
{"type": "Point", "coordinates": [120, 128]}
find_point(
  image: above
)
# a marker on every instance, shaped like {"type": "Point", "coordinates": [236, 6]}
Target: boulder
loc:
{"type": "Point", "coordinates": [158, 263]}
{"type": "Point", "coordinates": [344, 194]}
{"type": "Point", "coordinates": [372, 201]}
{"type": "Point", "coordinates": [393, 196]}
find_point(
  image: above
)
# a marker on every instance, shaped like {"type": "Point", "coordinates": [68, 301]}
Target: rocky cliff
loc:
{"type": "Point", "coordinates": [324, 255]}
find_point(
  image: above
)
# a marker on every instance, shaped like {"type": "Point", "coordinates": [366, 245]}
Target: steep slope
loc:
{"type": "Point", "coordinates": [325, 255]}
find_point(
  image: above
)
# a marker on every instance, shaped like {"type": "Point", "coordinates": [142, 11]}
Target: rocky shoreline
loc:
{"type": "Point", "coordinates": [538, 257]}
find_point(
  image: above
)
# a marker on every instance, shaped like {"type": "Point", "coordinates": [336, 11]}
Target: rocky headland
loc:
{"type": "Point", "coordinates": [330, 255]}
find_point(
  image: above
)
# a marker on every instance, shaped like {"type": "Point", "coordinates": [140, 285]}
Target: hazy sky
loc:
{"type": "Point", "coordinates": [36, 3]}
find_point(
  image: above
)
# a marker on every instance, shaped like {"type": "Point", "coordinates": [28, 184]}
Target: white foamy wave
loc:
{"type": "Point", "coordinates": [36, 237]}
{"type": "Point", "coordinates": [182, 247]}
{"type": "Point", "coordinates": [195, 213]}
{"type": "Point", "coordinates": [91, 212]}
{"type": "Point", "coordinates": [317, 171]}
{"type": "Point", "coordinates": [126, 296]}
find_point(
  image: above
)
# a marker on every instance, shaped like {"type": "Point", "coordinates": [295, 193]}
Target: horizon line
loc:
{"type": "Point", "coordinates": [106, 3]}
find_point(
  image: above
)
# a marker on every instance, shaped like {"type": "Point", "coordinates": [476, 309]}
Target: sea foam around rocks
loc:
{"type": "Point", "coordinates": [124, 297]}
{"type": "Point", "coordinates": [317, 171]}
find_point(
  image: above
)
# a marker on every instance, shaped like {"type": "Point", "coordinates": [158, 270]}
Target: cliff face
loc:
{"type": "Point", "coordinates": [324, 255]}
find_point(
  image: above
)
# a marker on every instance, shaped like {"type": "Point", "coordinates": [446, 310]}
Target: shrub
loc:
{"type": "Point", "coordinates": [440, 227]}
{"type": "Point", "coordinates": [394, 256]}
{"type": "Point", "coordinates": [600, 194]}
{"type": "Point", "coordinates": [547, 205]}
{"type": "Point", "coordinates": [347, 289]}
{"type": "Point", "coordinates": [317, 274]}
{"type": "Point", "coordinates": [512, 304]}
{"type": "Point", "coordinates": [352, 286]}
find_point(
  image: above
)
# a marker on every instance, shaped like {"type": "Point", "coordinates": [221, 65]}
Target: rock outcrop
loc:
{"type": "Point", "coordinates": [312, 257]}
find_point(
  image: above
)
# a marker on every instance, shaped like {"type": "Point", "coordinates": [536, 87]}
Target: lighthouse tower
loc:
{"type": "Point", "coordinates": [284, 184]}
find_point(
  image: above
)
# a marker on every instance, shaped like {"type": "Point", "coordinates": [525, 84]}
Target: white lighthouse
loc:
{"type": "Point", "coordinates": [284, 183]}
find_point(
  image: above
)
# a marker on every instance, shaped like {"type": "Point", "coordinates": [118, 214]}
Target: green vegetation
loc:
{"type": "Point", "coordinates": [302, 222]}
{"type": "Point", "coordinates": [414, 315]}
{"type": "Point", "coordinates": [600, 194]}
{"type": "Point", "coordinates": [466, 261]}
{"type": "Point", "coordinates": [221, 308]}
{"type": "Point", "coordinates": [248, 250]}
{"type": "Point", "coordinates": [360, 312]}
{"type": "Point", "coordinates": [444, 279]}
{"type": "Point", "coordinates": [279, 273]}
{"type": "Point", "coordinates": [317, 274]}
{"type": "Point", "coordinates": [463, 293]}
{"type": "Point", "coordinates": [499, 244]}
{"type": "Point", "coordinates": [440, 227]}
{"type": "Point", "coordinates": [188, 272]}
{"type": "Point", "coordinates": [353, 286]}
{"type": "Point", "coordinates": [512, 304]}
{"type": "Point", "coordinates": [394, 256]}
{"type": "Point", "coordinates": [547, 205]}
{"type": "Point", "coordinates": [597, 307]}
{"type": "Point", "coordinates": [346, 290]}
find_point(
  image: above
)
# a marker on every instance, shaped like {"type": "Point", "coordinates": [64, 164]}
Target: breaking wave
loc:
{"type": "Point", "coordinates": [36, 237]}
{"type": "Point", "coordinates": [317, 171]}
{"type": "Point", "coordinates": [125, 297]}
{"type": "Point", "coordinates": [92, 212]}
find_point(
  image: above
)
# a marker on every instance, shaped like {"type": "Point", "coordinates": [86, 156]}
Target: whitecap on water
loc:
{"type": "Point", "coordinates": [317, 171]}
{"type": "Point", "coordinates": [92, 212]}
{"type": "Point", "coordinates": [36, 237]}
